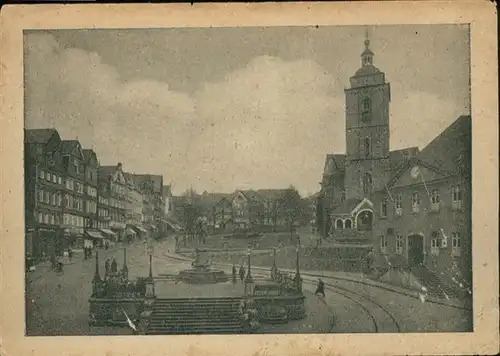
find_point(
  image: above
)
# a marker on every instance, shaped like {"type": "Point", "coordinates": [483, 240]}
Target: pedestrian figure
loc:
{"type": "Point", "coordinates": [320, 289]}
{"type": "Point", "coordinates": [70, 253]}
{"type": "Point", "coordinates": [234, 274]}
{"type": "Point", "coordinates": [107, 266]}
{"type": "Point", "coordinates": [242, 272]}
{"type": "Point", "coordinates": [114, 266]}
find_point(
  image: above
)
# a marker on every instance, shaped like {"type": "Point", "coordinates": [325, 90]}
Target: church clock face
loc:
{"type": "Point", "coordinates": [415, 171]}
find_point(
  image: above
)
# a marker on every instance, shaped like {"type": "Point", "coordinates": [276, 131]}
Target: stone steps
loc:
{"type": "Point", "coordinates": [209, 315]}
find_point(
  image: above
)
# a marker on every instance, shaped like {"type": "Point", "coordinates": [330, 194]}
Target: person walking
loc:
{"type": "Point", "coordinates": [320, 289]}
{"type": "Point", "coordinates": [242, 273]}
{"type": "Point", "coordinates": [234, 274]}
{"type": "Point", "coordinates": [107, 266]}
{"type": "Point", "coordinates": [70, 253]}
{"type": "Point", "coordinates": [114, 266]}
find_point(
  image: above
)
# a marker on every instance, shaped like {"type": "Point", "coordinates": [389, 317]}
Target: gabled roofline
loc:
{"type": "Point", "coordinates": [410, 162]}
{"type": "Point", "coordinates": [360, 205]}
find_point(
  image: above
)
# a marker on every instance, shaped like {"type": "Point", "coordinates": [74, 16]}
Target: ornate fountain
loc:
{"type": "Point", "coordinates": [201, 271]}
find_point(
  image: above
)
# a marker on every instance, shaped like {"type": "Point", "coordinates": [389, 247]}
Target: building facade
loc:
{"type": "Point", "coordinates": [424, 215]}
{"type": "Point", "coordinates": [113, 187]}
{"type": "Point", "coordinates": [154, 217]}
{"type": "Point", "coordinates": [369, 200]}
{"type": "Point", "coordinates": [74, 216]}
{"type": "Point", "coordinates": [44, 178]}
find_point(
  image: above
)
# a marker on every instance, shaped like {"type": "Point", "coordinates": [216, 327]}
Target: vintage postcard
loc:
{"type": "Point", "coordinates": [250, 179]}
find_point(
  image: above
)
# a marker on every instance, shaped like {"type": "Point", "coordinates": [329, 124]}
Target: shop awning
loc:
{"type": "Point", "coordinates": [94, 234]}
{"type": "Point", "coordinates": [141, 229]}
{"type": "Point", "coordinates": [108, 232]}
{"type": "Point", "coordinates": [130, 231]}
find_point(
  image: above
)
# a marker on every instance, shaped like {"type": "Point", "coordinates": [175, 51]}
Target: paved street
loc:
{"type": "Point", "coordinates": [66, 312]}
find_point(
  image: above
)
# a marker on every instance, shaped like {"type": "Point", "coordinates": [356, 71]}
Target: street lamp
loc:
{"type": "Point", "coordinates": [274, 268]}
{"type": "Point", "coordinates": [150, 253]}
{"type": "Point", "coordinates": [249, 280]}
{"type": "Point", "coordinates": [298, 279]}
{"type": "Point", "coordinates": [125, 268]}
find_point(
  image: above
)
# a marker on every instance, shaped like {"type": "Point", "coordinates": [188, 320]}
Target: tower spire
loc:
{"type": "Point", "coordinates": [367, 55]}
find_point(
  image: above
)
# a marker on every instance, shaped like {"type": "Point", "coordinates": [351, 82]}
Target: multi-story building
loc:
{"type": "Point", "coordinates": [91, 166]}
{"type": "Point", "coordinates": [354, 208]}
{"type": "Point", "coordinates": [74, 216]}
{"type": "Point", "coordinates": [113, 190]}
{"type": "Point", "coordinates": [424, 213]}
{"type": "Point", "coordinates": [151, 187]}
{"type": "Point", "coordinates": [44, 184]}
{"type": "Point", "coordinates": [134, 207]}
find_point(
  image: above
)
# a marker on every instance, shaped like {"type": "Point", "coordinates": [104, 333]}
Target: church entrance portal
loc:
{"type": "Point", "coordinates": [415, 250]}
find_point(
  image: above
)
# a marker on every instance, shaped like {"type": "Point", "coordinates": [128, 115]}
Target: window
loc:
{"type": "Point", "coordinates": [46, 197]}
{"type": "Point", "coordinates": [367, 183]}
{"type": "Point", "coordinates": [45, 218]}
{"type": "Point", "coordinates": [399, 204]}
{"type": "Point", "coordinates": [40, 218]}
{"type": "Point", "coordinates": [383, 244]}
{"type": "Point", "coordinates": [69, 184]}
{"type": "Point", "coordinates": [40, 196]}
{"type": "Point", "coordinates": [53, 199]}
{"type": "Point", "coordinates": [455, 244]}
{"type": "Point", "coordinates": [456, 202]}
{"type": "Point", "coordinates": [383, 208]}
{"type": "Point", "coordinates": [52, 219]}
{"type": "Point", "coordinates": [366, 105]}
{"type": "Point", "coordinates": [76, 166]}
{"type": "Point", "coordinates": [415, 202]}
{"type": "Point", "coordinates": [48, 176]}
{"type": "Point", "coordinates": [339, 224]}
{"type": "Point", "coordinates": [42, 174]}
{"type": "Point", "coordinates": [399, 244]}
{"type": "Point", "coordinates": [348, 224]}
{"type": "Point", "coordinates": [434, 247]}
{"type": "Point", "coordinates": [54, 178]}
{"type": "Point", "coordinates": [59, 180]}
{"type": "Point", "coordinates": [56, 219]}
{"type": "Point", "coordinates": [366, 143]}
{"type": "Point", "coordinates": [435, 200]}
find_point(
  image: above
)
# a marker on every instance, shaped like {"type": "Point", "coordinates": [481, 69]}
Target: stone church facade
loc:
{"type": "Point", "coordinates": [350, 179]}
{"type": "Point", "coordinates": [411, 208]}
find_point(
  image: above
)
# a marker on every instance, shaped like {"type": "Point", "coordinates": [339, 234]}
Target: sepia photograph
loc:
{"type": "Point", "coordinates": [299, 179]}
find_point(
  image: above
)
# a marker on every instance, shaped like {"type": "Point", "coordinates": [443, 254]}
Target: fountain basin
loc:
{"type": "Point", "coordinates": [202, 276]}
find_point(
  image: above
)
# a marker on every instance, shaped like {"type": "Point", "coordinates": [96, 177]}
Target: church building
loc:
{"type": "Point", "coordinates": [350, 179]}
{"type": "Point", "coordinates": [411, 208]}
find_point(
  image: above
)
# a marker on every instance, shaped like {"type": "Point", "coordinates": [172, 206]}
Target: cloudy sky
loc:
{"type": "Point", "coordinates": [225, 108]}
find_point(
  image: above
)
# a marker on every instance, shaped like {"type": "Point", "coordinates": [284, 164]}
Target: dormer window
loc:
{"type": "Point", "coordinates": [77, 166]}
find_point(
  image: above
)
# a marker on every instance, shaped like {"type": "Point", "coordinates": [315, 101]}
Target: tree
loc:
{"type": "Point", "coordinates": [292, 207]}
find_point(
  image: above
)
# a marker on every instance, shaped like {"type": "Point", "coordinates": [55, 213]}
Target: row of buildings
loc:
{"type": "Point", "coordinates": [73, 201]}
{"type": "Point", "coordinates": [244, 210]}
{"type": "Point", "coordinates": [411, 207]}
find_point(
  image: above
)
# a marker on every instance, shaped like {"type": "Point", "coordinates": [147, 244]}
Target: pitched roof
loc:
{"type": "Point", "coordinates": [347, 206]}
{"type": "Point", "coordinates": [398, 158]}
{"type": "Point", "coordinates": [68, 146]}
{"type": "Point", "coordinates": [87, 154]}
{"type": "Point", "coordinates": [334, 163]}
{"type": "Point", "coordinates": [39, 135]}
{"type": "Point", "coordinates": [452, 145]}
{"type": "Point", "coordinates": [449, 152]}
{"type": "Point", "coordinates": [106, 171]}
{"type": "Point", "coordinates": [144, 181]}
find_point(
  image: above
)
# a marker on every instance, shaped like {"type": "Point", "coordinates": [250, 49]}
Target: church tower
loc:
{"type": "Point", "coordinates": [367, 129]}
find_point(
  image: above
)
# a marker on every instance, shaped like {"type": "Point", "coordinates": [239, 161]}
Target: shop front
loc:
{"type": "Point", "coordinates": [73, 238]}
{"type": "Point", "coordinates": [94, 238]}
{"type": "Point", "coordinates": [109, 235]}
{"type": "Point", "coordinates": [118, 229]}
{"type": "Point", "coordinates": [142, 233]}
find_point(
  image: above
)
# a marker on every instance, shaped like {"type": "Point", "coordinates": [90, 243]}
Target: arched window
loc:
{"type": "Point", "coordinates": [367, 146]}
{"type": "Point", "coordinates": [366, 105]}
{"type": "Point", "coordinates": [339, 224]}
{"type": "Point", "coordinates": [367, 183]}
{"type": "Point", "coordinates": [348, 224]}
